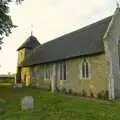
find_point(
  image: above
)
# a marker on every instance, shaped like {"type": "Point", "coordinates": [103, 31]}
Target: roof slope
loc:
{"type": "Point", "coordinates": [85, 41]}
{"type": "Point", "coordinates": [30, 43]}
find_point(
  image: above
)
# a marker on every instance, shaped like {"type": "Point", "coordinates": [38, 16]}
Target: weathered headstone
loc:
{"type": "Point", "coordinates": [18, 85]}
{"type": "Point", "coordinates": [27, 103]}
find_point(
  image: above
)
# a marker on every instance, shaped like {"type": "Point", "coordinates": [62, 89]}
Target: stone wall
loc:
{"type": "Point", "coordinates": [111, 42]}
{"type": "Point", "coordinates": [26, 76]}
{"type": "Point", "coordinates": [38, 76]}
{"type": "Point", "coordinates": [24, 72]}
{"type": "Point", "coordinates": [96, 84]}
{"type": "Point", "coordinates": [21, 55]}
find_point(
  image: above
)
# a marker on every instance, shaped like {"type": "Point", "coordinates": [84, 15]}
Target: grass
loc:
{"type": "Point", "coordinates": [49, 106]}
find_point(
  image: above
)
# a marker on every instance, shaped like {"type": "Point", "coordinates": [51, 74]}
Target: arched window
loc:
{"type": "Point", "coordinates": [85, 70]}
{"type": "Point", "coordinates": [64, 68]}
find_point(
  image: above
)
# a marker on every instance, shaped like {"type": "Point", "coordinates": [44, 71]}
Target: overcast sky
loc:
{"type": "Point", "coordinates": [50, 19]}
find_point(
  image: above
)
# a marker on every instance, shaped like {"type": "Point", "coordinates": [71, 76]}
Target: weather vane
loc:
{"type": "Point", "coordinates": [31, 29]}
{"type": "Point", "coordinates": [117, 3]}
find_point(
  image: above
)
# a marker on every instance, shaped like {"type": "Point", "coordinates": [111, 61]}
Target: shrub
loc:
{"type": "Point", "coordinates": [91, 94]}
{"type": "Point", "coordinates": [2, 104]}
{"type": "Point", "coordinates": [74, 93]}
{"type": "Point", "coordinates": [63, 90]}
{"type": "Point", "coordinates": [2, 101]}
{"type": "Point", "coordinates": [70, 91]}
{"type": "Point", "coordinates": [99, 96]}
{"type": "Point", "coordinates": [79, 94]}
{"type": "Point", "coordinates": [103, 94]}
{"type": "Point", "coordinates": [2, 111]}
{"type": "Point", "coordinates": [57, 89]}
{"type": "Point", "coordinates": [106, 94]}
{"type": "Point", "coordinates": [49, 87]}
{"type": "Point", "coordinates": [84, 93]}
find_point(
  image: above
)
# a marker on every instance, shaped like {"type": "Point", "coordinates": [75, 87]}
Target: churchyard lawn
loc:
{"type": "Point", "coordinates": [49, 106]}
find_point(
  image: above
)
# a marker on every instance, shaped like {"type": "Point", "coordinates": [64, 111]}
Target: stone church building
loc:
{"type": "Point", "coordinates": [86, 60]}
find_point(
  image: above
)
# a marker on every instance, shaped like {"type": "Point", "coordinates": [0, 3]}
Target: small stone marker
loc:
{"type": "Point", "coordinates": [27, 103]}
{"type": "Point", "coordinates": [18, 85]}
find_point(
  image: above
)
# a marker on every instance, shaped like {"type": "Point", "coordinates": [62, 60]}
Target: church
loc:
{"type": "Point", "coordinates": [85, 61]}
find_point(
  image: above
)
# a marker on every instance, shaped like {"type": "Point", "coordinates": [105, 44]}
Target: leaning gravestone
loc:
{"type": "Point", "coordinates": [27, 103]}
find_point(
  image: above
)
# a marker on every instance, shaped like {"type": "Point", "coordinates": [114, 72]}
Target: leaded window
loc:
{"type": "Point", "coordinates": [85, 70]}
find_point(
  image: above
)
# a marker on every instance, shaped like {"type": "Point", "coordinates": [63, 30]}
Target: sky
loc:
{"type": "Point", "coordinates": [50, 19]}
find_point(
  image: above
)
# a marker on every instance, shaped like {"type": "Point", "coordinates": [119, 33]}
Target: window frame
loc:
{"type": "Point", "coordinates": [85, 70]}
{"type": "Point", "coordinates": [63, 70]}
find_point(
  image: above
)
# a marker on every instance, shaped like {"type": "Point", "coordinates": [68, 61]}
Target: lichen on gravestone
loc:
{"type": "Point", "coordinates": [27, 103]}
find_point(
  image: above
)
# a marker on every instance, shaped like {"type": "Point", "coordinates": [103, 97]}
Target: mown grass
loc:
{"type": "Point", "coordinates": [49, 106]}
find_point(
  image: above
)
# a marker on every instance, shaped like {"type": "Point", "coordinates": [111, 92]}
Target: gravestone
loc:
{"type": "Point", "coordinates": [27, 103]}
{"type": "Point", "coordinates": [17, 85]}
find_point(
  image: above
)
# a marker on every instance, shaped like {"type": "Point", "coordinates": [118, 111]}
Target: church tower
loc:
{"type": "Point", "coordinates": [26, 48]}
{"type": "Point", "coordinates": [23, 74]}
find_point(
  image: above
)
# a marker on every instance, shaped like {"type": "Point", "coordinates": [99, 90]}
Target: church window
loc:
{"type": "Point", "coordinates": [85, 70]}
{"type": "Point", "coordinates": [63, 71]}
